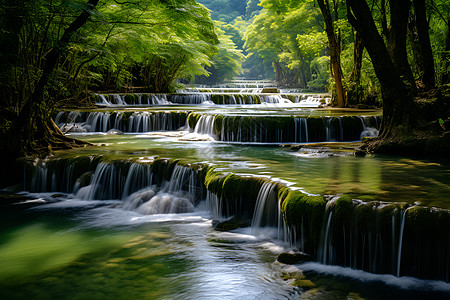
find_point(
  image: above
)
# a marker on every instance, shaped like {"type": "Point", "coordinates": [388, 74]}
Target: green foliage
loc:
{"type": "Point", "coordinates": [226, 63]}
{"type": "Point", "coordinates": [286, 37]}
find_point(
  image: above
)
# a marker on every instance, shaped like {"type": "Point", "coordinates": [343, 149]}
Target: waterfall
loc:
{"type": "Point", "coordinates": [105, 121]}
{"type": "Point", "coordinates": [106, 183]}
{"type": "Point", "coordinates": [176, 196]}
{"type": "Point", "coordinates": [98, 121]}
{"type": "Point", "coordinates": [368, 131]}
{"type": "Point", "coordinates": [400, 240]}
{"type": "Point", "coordinates": [326, 248]}
{"type": "Point", "coordinates": [205, 125]}
{"type": "Point", "coordinates": [266, 211]}
{"type": "Point", "coordinates": [274, 99]}
{"type": "Point", "coordinates": [139, 176]}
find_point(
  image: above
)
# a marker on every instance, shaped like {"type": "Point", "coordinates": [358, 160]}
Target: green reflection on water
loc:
{"type": "Point", "coordinates": [41, 261]}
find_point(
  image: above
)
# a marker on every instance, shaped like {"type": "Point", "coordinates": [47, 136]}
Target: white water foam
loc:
{"type": "Point", "coordinates": [400, 282]}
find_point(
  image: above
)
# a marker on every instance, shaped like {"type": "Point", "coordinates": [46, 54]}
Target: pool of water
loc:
{"type": "Point", "coordinates": [58, 248]}
{"type": "Point", "coordinates": [250, 109]}
{"type": "Point", "coordinates": [55, 246]}
{"type": "Point", "coordinates": [330, 168]}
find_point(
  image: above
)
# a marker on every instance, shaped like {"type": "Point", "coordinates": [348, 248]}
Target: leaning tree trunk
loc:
{"type": "Point", "coordinates": [398, 104]}
{"type": "Point", "coordinates": [335, 52]}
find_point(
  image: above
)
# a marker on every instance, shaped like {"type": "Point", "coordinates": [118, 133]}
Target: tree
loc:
{"type": "Point", "coordinates": [402, 126]}
{"type": "Point", "coordinates": [28, 126]}
{"type": "Point", "coordinates": [48, 44]}
{"type": "Point", "coordinates": [334, 42]}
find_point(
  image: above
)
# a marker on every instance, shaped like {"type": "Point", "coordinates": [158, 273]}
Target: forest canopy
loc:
{"type": "Point", "coordinates": [66, 50]}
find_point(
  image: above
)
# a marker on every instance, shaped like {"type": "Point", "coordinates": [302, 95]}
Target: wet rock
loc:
{"type": "Point", "coordinates": [114, 132]}
{"type": "Point", "coordinates": [270, 90]}
{"type": "Point", "coordinates": [360, 152]}
{"type": "Point", "coordinates": [295, 147]}
{"type": "Point", "coordinates": [232, 224]}
{"type": "Point", "coordinates": [59, 196]}
{"type": "Point", "coordinates": [291, 258]}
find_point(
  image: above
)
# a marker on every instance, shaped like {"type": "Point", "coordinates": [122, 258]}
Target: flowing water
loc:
{"type": "Point", "coordinates": [130, 231]}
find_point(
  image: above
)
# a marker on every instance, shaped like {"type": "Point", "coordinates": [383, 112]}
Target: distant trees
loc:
{"type": "Point", "coordinates": [287, 37]}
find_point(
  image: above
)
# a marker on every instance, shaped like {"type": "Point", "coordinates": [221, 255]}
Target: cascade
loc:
{"type": "Point", "coordinates": [373, 236]}
{"type": "Point", "coordinates": [266, 210]}
{"type": "Point", "coordinates": [123, 121]}
{"type": "Point", "coordinates": [365, 236]}
{"type": "Point", "coordinates": [213, 96]}
{"type": "Point", "coordinates": [205, 125]}
{"type": "Point", "coordinates": [168, 188]}
{"type": "Point", "coordinates": [262, 129]}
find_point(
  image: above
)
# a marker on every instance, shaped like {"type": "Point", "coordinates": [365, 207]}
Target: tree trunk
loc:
{"type": "Point", "coordinates": [398, 104]}
{"type": "Point", "coordinates": [353, 93]}
{"type": "Point", "coordinates": [34, 124]}
{"type": "Point", "coordinates": [13, 15]}
{"type": "Point", "coordinates": [397, 39]}
{"type": "Point", "coordinates": [426, 53]}
{"type": "Point", "coordinates": [335, 52]}
{"type": "Point", "coordinates": [445, 59]}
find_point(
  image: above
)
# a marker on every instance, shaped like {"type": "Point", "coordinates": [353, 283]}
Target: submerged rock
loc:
{"type": "Point", "coordinates": [232, 224]}
{"type": "Point", "coordinates": [360, 152]}
{"type": "Point", "coordinates": [291, 258]}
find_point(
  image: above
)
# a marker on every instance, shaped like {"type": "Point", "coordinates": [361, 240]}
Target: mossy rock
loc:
{"type": "Point", "coordinates": [145, 98]}
{"type": "Point", "coordinates": [423, 219]}
{"type": "Point", "coordinates": [126, 117]}
{"type": "Point", "coordinates": [343, 210]}
{"type": "Point", "coordinates": [233, 223]}
{"type": "Point", "coordinates": [293, 258]}
{"type": "Point", "coordinates": [218, 121]}
{"type": "Point", "coordinates": [270, 90]}
{"type": "Point", "coordinates": [214, 181]}
{"type": "Point", "coordinates": [193, 119]}
{"type": "Point", "coordinates": [366, 216]}
{"type": "Point", "coordinates": [298, 204]}
{"type": "Point", "coordinates": [304, 283]}
{"type": "Point", "coordinates": [131, 98]}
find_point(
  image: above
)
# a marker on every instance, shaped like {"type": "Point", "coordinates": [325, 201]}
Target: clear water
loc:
{"type": "Point", "coordinates": [54, 246]}
{"type": "Point", "coordinates": [320, 169]}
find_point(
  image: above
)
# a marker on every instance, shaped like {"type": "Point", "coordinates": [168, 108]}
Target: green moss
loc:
{"type": "Point", "coordinates": [366, 216]}
{"type": "Point", "coordinates": [343, 209]}
{"type": "Point", "coordinates": [179, 117]}
{"type": "Point", "coordinates": [424, 219]}
{"type": "Point", "coordinates": [218, 120]}
{"type": "Point", "coordinates": [193, 119]}
{"type": "Point", "coordinates": [283, 192]}
{"type": "Point", "coordinates": [131, 98]}
{"type": "Point", "coordinates": [145, 98]}
{"type": "Point", "coordinates": [297, 204]}
{"type": "Point", "coordinates": [214, 180]}
{"type": "Point", "coordinates": [217, 99]}
{"type": "Point", "coordinates": [304, 283]}
{"type": "Point", "coordinates": [126, 117]}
